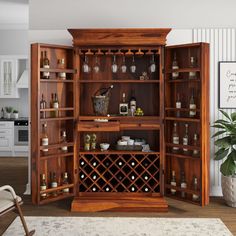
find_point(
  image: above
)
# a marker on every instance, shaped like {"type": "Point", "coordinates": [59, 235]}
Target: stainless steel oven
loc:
{"type": "Point", "coordinates": [21, 132]}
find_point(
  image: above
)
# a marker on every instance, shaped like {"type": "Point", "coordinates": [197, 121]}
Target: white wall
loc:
{"type": "Point", "coordinates": [15, 42]}
{"type": "Point", "coordinates": [62, 14]}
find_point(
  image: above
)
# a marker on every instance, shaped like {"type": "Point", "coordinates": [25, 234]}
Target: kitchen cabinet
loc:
{"type": "Point", "coordinates": [7, 136]}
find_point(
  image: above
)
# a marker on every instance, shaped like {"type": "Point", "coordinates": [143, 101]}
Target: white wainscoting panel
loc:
{"type": "Point", "coordinates": [222, 48]}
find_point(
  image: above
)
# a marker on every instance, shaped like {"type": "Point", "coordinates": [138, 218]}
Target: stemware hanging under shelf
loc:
{"type": "Point", "coordinates": [114, 67]}
{"type": "Point", "coordinates": [123, 66]}
{"type": "Point", "coordinates": [96, 67]}
{"type": "Point", "coordinates": [86, 68]}
{"type": "Point", "coordinates": [133, 66]}
{"type": "Point", "coordinates": [152, 66]}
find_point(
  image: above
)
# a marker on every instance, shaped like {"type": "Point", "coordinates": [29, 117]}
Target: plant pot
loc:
{"type": "Point", "coordinates": [8, 115]}
{"type": "Point", "coordinates": [228, 184]}
{"type": "Point", "coordinates": [15, 115]}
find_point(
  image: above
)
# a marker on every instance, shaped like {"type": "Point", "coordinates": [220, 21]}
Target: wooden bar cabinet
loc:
{"type": "Point", "coordinates": [120, 180]}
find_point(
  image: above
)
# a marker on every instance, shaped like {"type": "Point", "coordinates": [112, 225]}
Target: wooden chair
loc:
{"type": "Point", "coordinates": [10, 201]}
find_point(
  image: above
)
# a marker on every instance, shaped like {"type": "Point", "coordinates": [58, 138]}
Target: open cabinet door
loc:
{"type": "Point", "coordinates": [53, 114]}
{"type": "Point", "coordinates": [187, 122]}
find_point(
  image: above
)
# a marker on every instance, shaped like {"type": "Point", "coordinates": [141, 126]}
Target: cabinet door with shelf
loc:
{"type": "Point", "coordinates": [53, 114]}
{"type": "Point", "coordinates": [187, 122]}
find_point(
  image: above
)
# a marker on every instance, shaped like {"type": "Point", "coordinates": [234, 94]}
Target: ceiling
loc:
{"type": "Point", "coordinates": [14, 14]}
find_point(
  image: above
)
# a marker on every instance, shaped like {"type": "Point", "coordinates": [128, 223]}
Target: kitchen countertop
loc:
{"type": "Point", "coordinates": [12, 119]}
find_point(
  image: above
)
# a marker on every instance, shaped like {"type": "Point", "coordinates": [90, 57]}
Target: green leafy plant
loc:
{"type": "Point", "coordinates": [9, 109]}
{"type": "Point", "coordinates": [227, 143]}
{"type": "Point", "coordinates": [15, 111]}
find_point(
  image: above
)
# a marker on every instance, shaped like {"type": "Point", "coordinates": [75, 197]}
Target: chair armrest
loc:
{"type": "Point", "coordinates": [10, 189]}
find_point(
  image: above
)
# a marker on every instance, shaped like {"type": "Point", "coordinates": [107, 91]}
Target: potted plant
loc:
{"type": "Point", "coordinates": [8, 112]}
{"type": "Point", "coordinates": [226, 142]}
{"type": "Point", "coordinates": [15, 114]}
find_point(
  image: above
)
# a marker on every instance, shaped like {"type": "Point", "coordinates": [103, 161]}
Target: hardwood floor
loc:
{"type": "Point", "coordinates": [14, 172]}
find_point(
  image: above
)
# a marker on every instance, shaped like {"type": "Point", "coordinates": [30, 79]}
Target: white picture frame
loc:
{"type": "Point", "coordinates": [227, 84]}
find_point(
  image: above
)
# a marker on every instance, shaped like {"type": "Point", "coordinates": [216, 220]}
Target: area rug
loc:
{"type": "Point", "coordinates": [120, 226]}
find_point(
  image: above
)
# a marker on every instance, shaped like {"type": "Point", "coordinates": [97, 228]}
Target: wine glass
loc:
{"type": "Point", "coordinates": [114, 66]}
{"type": "Point", "coordinates": [152, 66]}
{"type": "Point", "coordinates": [85, 67]}
{"type": "Point", "coordinates": [133, 66]}
{"type": "Point", "coordinates": [96, 67]}
{"type": "Point", "coordinates": [123, 66]}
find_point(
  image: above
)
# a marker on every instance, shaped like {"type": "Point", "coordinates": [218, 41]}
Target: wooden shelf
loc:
{"type": "Point", "coordinates": [59, 145]}
{"type": "Point", "coordinates": [189, 147]}
{"type": "Point", "coordinates": [182, 119]}
{"type": "Point", "coordinates": [57, 198]}
{"type": "Point", "coordinates": [182, 80]}
{"type": "Point", "coordinates": [183, 199]}
{"type": "Point", "coordinates": [57, 119]}
{"type": "Point", "coordinates": [121, 81]}
{"type": "Point", "coordinates": [184, 70]}
{"type": "Point", "coordinates": [50, 190]}
{"type": "Point", "coordinates": [56, 155]}
{"type": "Point", "coordinates": [117, 152]}
{"type": "Point", "coordinates": [176, 155]}
{"type": "Point", "coordinates": [58, 109]}
{"type": "Point", "coordinates": [186, 190]}
{"type": "Point", "coordinates": [56, 70]}
{"type": "Point", "coordinates": [56, 81]}
{"type": "Point", "coordinates": [180, 109]}
{"type": "Point", "coordinates": [121, 118]}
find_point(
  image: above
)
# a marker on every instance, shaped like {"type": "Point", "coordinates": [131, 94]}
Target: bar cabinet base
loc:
{"type": "Point", "coordinates": [119, 204]}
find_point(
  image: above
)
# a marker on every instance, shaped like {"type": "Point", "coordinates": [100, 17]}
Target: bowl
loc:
{"type": "Point", "coordinates": [104, 146]}
{"type": "Point", "coordinates": [121, 142]}
{"type": "Point", "coordinates": [125, 138]}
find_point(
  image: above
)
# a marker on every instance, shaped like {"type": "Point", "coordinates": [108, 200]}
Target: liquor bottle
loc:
{"type": "Point", "coordinates": [61, 65]}
{"type": "Point", "coordinates": [195, 188]}
{"type": "Point", "coordinates": [46, 63]}
{"type": "Point", "coordinates": [54, 183]}
{"type": "Point", "coordinates": [195, 143]}
{"type": "Point", "coordinates": [132, 103]}
{"type": "Point", "coordinates": [44, 140]}
{"type": "Point", "coordinates": [87, 142]}
{"type": "Point", "coordinates": [192, 106]}
{"type": "Point", "coordinates": [123, 107]}
{"type": "Point", "coordinates": [175, 66]}
{"type": "Point", "coordinates": [55, 104]}
{"type": "Point", "coordinates": [192, 74]}
{"type": "Point", "coordinates": [65, 182]}
{"type": "Point", "coordinates": [175, 138]}
{"type": "Point", "coordinates": [106, 91]}
{"type": "Point", "coordinates": [178, 105]}
{"type": "Point", "coordinates": [63, 141]}
{"type": "Point", "coordinates": [173, 183]}
{"type": "Point", "coordinates": [93, 141]}
{"type": "Point", "coordinates": [43, 105]}
{"type": "Point", "coordinates": [185, 139]}
{"type": "Point", "coordinates": [43, 185]}
{"type": "Point", "coordinates": [183, 184]}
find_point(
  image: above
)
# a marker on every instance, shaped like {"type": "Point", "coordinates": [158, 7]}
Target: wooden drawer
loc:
{"type": "Point", "coordinates": [99, 126]}
{"type": "Point", "coordinates": [6, 132]}
{"type": "Point", "coordinates": [6, 143]}
{"type": "Point", "coordinates": [139, 126]}
{"type": "Point", "coordinates": [6, 124]}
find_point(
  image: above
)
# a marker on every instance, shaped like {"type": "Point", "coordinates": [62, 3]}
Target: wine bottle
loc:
{"type": "Point", "coordinates": [107, 189]}
{"type": "Point", "coordinates": [43, 105]}
{"type": "Point", "coordinates": [82, 176]}
{"type": "Point", "coordinates": [120, 163]}
{"type": "Point", "coordinates": [192, 74]}
{"type": "Point", "coordinates": [145, 177]}
{"type": "Point", "coordinates": [133, 189]}
{"type": "Point", "coordinates": [133, 163]}
{"type": "Point", "coordinates": [65, 182]}
{"type": "Point", "coordinates": [63, 141]}
{"type": "Point", "coordinates": [82, 163]}
{"type": "Point", "coordinates": [132, 103]}
{"type": "Point", "coordinates": [46, 62]}
{"type": "Point", "coordinates": [55, 104]}
{"type": "Point", "coordinates": [61, 65]}
{"type": "Point", "coordinates": [146, 189]}
{"type": "Point", "coordinates": [93, 141]}
{"type": "Point", "coordinates": [173, 183]}
{"type": "Point", "coordinates": [175, 138]}
{"type": "Point", "coordinates": [195, 143]}
{"type": "Point", "coordinates": [94, 177]}
{"type": "Point", "coordinates": [185, 139]}
{"type": "Point", "coordinates": [123, 107]}
{"type": "Point", "coordinates": [94, 163]}
{"type": "Point", "coordinates": [192, 106]}
{"type": "Point", "coordinates": [44, 140]}
{"type": "Point", "coordinates": [94, 189]}
{"type": "Point", "coordinates": [43, 185]}
{"type": "Point", "coordinates": [133, 177]}
{"type": "Point", "coordinates": [195, 188]}
{"type": "Point", "coordinates": [106, 91]}
{"type": "Point", "coordinates": [87, 142]}
{"type": "Point", "coordinates": [178, 105]}
{"type": "Point", "coordinates": [54, 183]}
{"type": "Point", "coordinates": [183, 184]}
{"type": "Point", "coordinates": [175, 66]}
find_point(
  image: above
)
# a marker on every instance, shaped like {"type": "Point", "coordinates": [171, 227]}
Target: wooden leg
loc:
{"type": "Point", "coordinates": [27, 233]}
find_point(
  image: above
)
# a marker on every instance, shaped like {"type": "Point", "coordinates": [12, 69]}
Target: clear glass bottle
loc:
{"type": "Point", "coordinates": [185, 139]}
{"type": "Point", "coordinates": [123, 107]}
{"type": "Point", "coordinates": [65, 181]}
{"type": "Point", "coordinates": [61, 65]}
{"type": "Point", "coordinates": [195, 143]}
{"type": "Point", "coordinates": [44, 139]}
{"type": "Point", "coordinates": [54, 183]}
{"type": "Point", "coordinates": [183, 184]}
{"type": "Point", "coordinates": [178, 105]}
{"type": "Point", "coordinates": [46, 65]}
{"type": "Point", "coordinates": [192, 106]}
{"type": "Point", "coordinates": [43, 186]}
{"type": "Point", "coordinates": [192, 64]}
{"type": "Point", "coordinates": [132, 103]}
{"type": "Point", "coordinates": [43, 105]}
{"type": "Point", "coordinates": [195, 188]}
{"type": "Point", "coordinates": [64, 141]}
{"type": "Point", "coordinates": [175, 66]}
{"type": "Point", "coordinates": [175, 138]}
{"type": "Point", "coordinates": [173, 183]}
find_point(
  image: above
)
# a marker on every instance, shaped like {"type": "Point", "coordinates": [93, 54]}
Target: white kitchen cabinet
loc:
{"type": "Point", "coordinates": [7, 136]}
